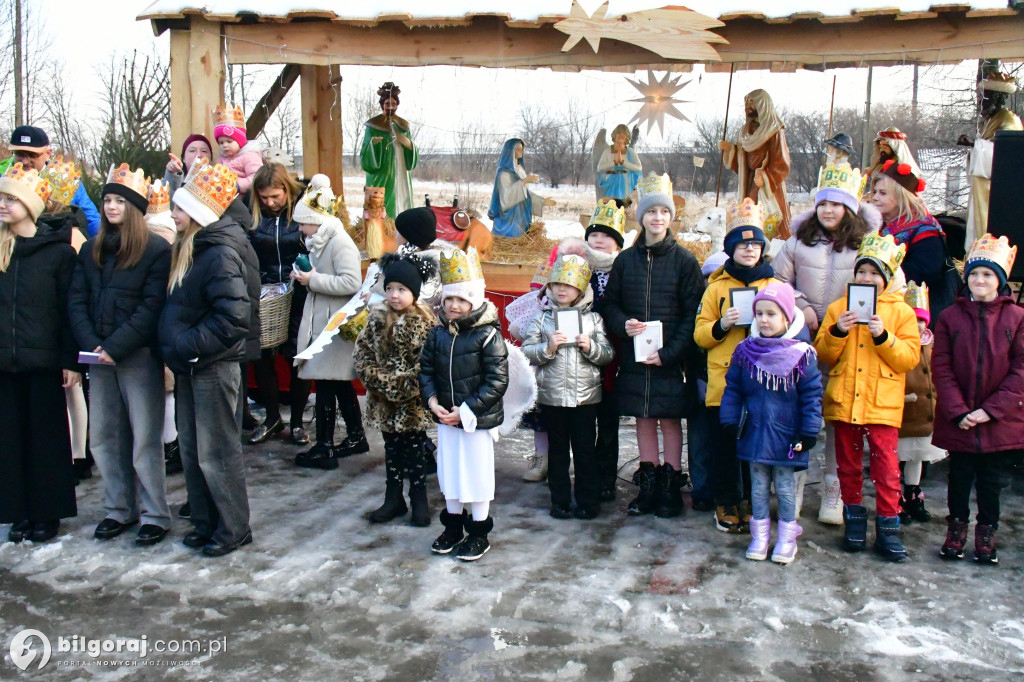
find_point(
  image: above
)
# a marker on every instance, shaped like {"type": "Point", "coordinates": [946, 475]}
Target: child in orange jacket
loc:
{"type": "Point", "coordinates": [864, 396]}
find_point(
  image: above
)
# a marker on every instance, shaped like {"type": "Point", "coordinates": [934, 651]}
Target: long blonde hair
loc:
{"type": "Point", "coordinates": [6, 246]}
{"type": "Point", "coordinates": [909, 206]}
{"type": "Point", "coordinates": [181, 256]}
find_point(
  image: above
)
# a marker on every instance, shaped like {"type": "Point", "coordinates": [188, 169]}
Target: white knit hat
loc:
{"type": "Point", "coordinates": [316, 206]}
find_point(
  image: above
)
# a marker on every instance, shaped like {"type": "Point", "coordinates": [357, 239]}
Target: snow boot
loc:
{"type": "Point", "coordinates": [394, 502]}
{"type": "Point", "coordinates": [956, 538]}
{"type": "Point", "coordinates": [985, 544]}
{"type": "Point", "coordinates": [476, 544]}
{"type": "Point", "coordinates": [855, 535]}
{"type": "Point", "coordinates": [670, 495]}
{"type": "Point", "coordinates": [645, 477]}
{"type": "Point", "coordinates": [913, 505]}
{"type": "Point", "coordinates": [831, 511]}
{"type": "Point", "coordinates": [452, 535]}
{"type": "Point", "coordinates": [760, 537]}
{"type": "Point", "coordinates": [538, 470]}
{"type": "Point", "coordinates": [887, 539]}
{"type": "Point", "coordinates": [420, 516]}
{"type": "Point", "coordinates": [785, 545]}
{"type": "Point", "coordinates": [320, 456]}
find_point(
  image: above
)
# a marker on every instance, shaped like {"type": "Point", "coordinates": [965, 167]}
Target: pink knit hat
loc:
{"type": "Point", "coordinates": [236, 134]}
{"type": "Point", "coordinates": [782, 295]}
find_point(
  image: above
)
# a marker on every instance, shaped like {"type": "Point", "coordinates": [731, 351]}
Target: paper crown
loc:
{"type": "Point", "coordinates": [744, 214]}
{"type": "Point", "coordinates": [654, 184]}
{"type": "Point", "coordinates": [30, 180]}
{"type": "Point", "coordinates": [571, 270]}
{"type": "Point", "coordinates": [234, 118]}
{"type": "Point", "coordinates": [63, 177]}
{"type": "Point", "coordinates": [903, 174]}
{"type": "Point", "coordinates": [540, 277]}
{"type": "Point", "coordinates": [998, 251]}
{"type": "Point", "coordinates": [135, 181]}
{"type": "Point", "coordinates": [917, 296]}
{"type": "Point", "coordinates": [608, 214]}
{"type": "Point", "coordinates": [214, 186]}
{"type": "Point", "coordinates": [882, 251]}
{"type": "Point", "coordinates": [461, 266]}
{"type": "Point", "coordinates": [324, 203]}
{"type": "Point", "coordinates": [159, 197]}
{"type": "Point", "coordinates": [999, 82]}
{"type": "Point", "coordinates": [891, 133]}
{"type": "Point", "coordinates": [842, 177]}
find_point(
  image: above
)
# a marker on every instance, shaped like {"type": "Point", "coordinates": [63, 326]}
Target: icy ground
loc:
{"type": "Point", "coordinates": [322, 594]}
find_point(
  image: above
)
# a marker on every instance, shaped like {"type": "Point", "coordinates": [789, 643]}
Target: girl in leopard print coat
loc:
{"type": "Point", "coordinates": [387, 360]}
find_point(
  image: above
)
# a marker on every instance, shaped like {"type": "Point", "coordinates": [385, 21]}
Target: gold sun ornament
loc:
{"type": "Point", "coordinates": [658, 99]}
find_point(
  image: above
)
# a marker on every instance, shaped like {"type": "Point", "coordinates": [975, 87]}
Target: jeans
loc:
{"type": "Point", "coordinates": [761, 477]}
{"type": "Point", "coordinates": [126, 402]}
{"type": "Point", "coordinates": [698, 450]}
{"type": "Point", "coordinates": [211, 452]}
{"type": "Point", "coordinates": [980, 470]}
{"type": "Point", "coordinates": [571, 427]}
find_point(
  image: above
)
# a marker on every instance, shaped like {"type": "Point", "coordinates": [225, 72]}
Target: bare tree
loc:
{"type": "Point", "coordinates": [547, 148]}
{"type": "Point", "coordinates": [361, 107]}
{"type": "Point", "coordinates": [60, 115]}
{"type": "Point", "coordinates": [580, 127]}
{"type": "Point", "coordinates": [284, 129]}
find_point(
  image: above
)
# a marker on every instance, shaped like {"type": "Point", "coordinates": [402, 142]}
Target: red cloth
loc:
{"type": "Point", "coordinates": [885, 464]}
{"type": "Point", "coordinates": [446, 229]}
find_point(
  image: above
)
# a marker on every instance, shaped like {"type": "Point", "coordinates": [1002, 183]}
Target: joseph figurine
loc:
{"type": "Point", "coordinates": [388, 154]}
{"type": "Point", "coordinates": [760, 156]}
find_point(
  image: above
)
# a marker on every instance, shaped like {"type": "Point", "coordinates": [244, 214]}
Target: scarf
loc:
{"type": "Point", "coordinates": [111, 242]}
{"type": "Point", "coordinates": [769, 123]}
{"type": "Point", "coordinates": [747, 275]}
{"type": "Point", "coordinates": [318, 241]}
{"type": "Point", "coordinates": [775, 363]}
{"type": "Point", "coordinates": [599, 260]}
{"type": "Point", "coordinates": [910, 230]}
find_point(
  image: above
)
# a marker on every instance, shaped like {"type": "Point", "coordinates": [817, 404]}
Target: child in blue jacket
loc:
{"type": "Point", "coordinates": [772, 402]}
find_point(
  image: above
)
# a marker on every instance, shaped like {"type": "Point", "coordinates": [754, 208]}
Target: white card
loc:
{"type": "Point", "coordinates": [860, 298]}
{"type": "Point", "coordinates": [90, 358]}
{"type": "Point", "coordinates": [568, 322]}
{"type": "Point", "coordinates": [648, 341]}
{"type": "Point", "coordinates": [743, 300]}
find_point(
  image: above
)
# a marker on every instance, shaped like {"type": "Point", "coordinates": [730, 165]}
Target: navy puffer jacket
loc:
{"type": "Point", "coordinates": [662, 282]}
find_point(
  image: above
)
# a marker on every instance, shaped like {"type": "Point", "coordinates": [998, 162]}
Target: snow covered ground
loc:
{"type": "Point", "coordinates": [322, 594]}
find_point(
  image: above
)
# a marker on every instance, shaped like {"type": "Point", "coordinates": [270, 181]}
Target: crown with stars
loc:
{"type": "Point", "coordinates": [224, 116]}
{"type": "Point", "coordinates": [608, 214]}
{"type": "Point", "coordinates": [30, 180]}
{"type": "Point", "coordinates": [654, 184]}
{"type": "Point", "coordinates": [214, 186]}
{"type": "Point", "coordinates": [159, 197]}
{"type": "Point", "coordinates": [998, 251]}
{"type": "Point", "coordinates": [882, 251]}
{"type": "Point", "coordinates": [133, 180]}
{"type": "Point", "coordinates": [917, 295]}
{"type": "Point", "coordinates": [63, 177]}
{"type": "Point", "coordinates": [744, 214]}
{"type": "Point", "coordinates": [460, 266]}
{"type": "Point", "coordinates": [572, 270]}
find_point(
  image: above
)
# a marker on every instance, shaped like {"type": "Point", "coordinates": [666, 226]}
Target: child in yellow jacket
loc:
{"type": "Point", "coordinates": [864, 396]}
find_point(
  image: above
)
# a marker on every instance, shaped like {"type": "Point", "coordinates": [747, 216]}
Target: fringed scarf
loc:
{"type": "Point", "coordinates": [775, 363]}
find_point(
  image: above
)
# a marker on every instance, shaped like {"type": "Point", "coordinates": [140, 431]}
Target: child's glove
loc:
{"type": "Point", "coordinates": [804, 443]}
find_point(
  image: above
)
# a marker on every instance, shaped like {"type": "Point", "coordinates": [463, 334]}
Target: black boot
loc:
{"type": "Point", "coordinates": [476, 545]}
{"type": "Point", "coordinates": [913, 505]}
{"type": "Point", "coordinates": [670, 492]}
{"type": "Point", "coordinates": [420, 516]}
{"type": "Point", "coordinates": [322, 455]}
{"type": "Point", "coordinates": [416, 467]}
{"type": "Point", "coordinates": [394, 502]}
{"type": "Point", "coordinates": [855, 534]}
{"type": "Point", "coordinates": [172, 458]}
{"type": "Point", "coordinates": [887, 538]}
{"type": "Point", "coordinates": [645, 478]}
{"type": "Point", "coordinates": [452, 535]}
{"type": "Point", "coordinates": [354, 444]}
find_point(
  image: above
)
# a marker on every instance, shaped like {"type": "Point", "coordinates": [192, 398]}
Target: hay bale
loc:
{"type": "Point", "coordinates": [532, 247]}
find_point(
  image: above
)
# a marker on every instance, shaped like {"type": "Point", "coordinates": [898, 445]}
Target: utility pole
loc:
{"type": "Point", "coordinates": [19, 102]}
{"type": "Point", "coordinates": [913, 101]}
{"type": "Point", "coordinates": [865, 146]}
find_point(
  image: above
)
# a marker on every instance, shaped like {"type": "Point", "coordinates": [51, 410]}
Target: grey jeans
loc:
{"type": "Point", "coordinates": [126, 427]}
{"type": "Point", "coordinates": [211, 452]}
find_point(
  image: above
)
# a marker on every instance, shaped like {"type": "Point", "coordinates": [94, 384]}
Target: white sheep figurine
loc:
{"type": "Point", "coordinates": [712, 224]}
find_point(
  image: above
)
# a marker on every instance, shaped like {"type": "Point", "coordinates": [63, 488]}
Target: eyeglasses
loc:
{"type": "Point", "coordinates": [22, 154]}
{"type": "Point", "coordinates": [8, 200]}
{"type": "Point", "coordinates": [750, 244]}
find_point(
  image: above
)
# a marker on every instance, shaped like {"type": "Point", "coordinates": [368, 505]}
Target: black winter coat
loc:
{"type": "Point", "coordinates": [278, 243]}
{"type": "Point", "coordinates": [34, 330]}
{"type": "Point", "coordinates": [466, 362]}
{"type": "Point", "coordinates": [207, 317]}
{"type": "Point", "coordinates": [238, 211]}
{"type": "Point", "coordinates": [662, 282]}
{"type": "Point", "coordinates": [116, 308]}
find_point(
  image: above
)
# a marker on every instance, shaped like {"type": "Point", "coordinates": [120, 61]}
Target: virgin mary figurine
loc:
{"type": "Point", "coordinates": [512, 204]}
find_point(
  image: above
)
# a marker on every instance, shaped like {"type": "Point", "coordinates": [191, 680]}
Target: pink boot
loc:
{"type": "Point", "coordinates": [785, 546]}
{"type": "Point", "coordinates": [760, 535]}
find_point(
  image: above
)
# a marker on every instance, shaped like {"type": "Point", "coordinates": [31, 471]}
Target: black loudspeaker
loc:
{"type": "Point", "coordinates": [1006, 203]}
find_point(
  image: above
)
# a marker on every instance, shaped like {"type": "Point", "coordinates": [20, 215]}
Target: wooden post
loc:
{"type": "Point", "coordinates": [310, 147]}
{"type": "Point", "coordinates": [181, 97]}
{"type": "Point", "coordinates": [321, 123]}
{"type": "Point", "coordinates": [865, 145]}
{"type": "Point", "coordinates": [205, 75]}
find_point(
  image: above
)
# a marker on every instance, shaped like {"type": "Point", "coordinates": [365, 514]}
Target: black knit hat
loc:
{"type": "Point", "coordinates": [418, 226]}
{"type": "Point", "coordinates": [131, 196]}
{"type": "Point", "coordinates": [410, 271]}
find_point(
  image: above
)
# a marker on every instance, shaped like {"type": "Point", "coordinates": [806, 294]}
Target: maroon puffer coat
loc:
{"type": "Point", "coordinates": [978, 361]}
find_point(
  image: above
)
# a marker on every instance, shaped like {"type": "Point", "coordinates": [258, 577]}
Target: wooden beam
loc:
{"type": "Point", "coordinates": [322, 142]}
{"type": "Point", "coordinates": [181, 97]}
{"type": "Point", "coordinates": [205, 74]}
{"type": "Point", "coordinates": [265, 108]}
{"type": "Point", "coordinates": [310, 107]}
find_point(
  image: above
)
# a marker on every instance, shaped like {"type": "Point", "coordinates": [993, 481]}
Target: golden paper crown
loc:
{"type": "Point", "coordinates": [222, 116]}
{"type": "Point", "coordinates": [215, 186]}
{"type": "Point", "coordinates": [63, 177]}
{"type": "Point", "coordinates": [572, 270]}
{"type": "Point", "coordinates": [883, 251]}
{"type": "Point", "coordinates": [461, 266]}
{"type": "Point", "coordinates": [540, 277]}
{"type": "Point", "coordinates": [999, 82]}
{"type": "Point", "coordinates": [317, 200]}
{"type": "Point", "coordinates": [998, 251]}
{"type": "Point", "coordinates": [744, 214]}
{"type": "Point", "coordinates": [159, 197]}
{"type": "Point", "coordinates": [917, 296]}
{"type": "Point", "coordinates": [123, 175]}
{"type": "Point", "coordinates": [31, 180]}
{"type": "Point", "coordinates": [608, 214]}
{"type": "Point", "coordinates": [842, 177]}
{"type": "Point", "coordinates": [654, 184]}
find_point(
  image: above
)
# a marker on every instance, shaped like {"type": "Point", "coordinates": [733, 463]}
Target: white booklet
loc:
{"type": "Point", "coordinates": [569, 322]}
{"type": "Point", "coordinates": [87, 358]}
{"type": "Point", "coordinates": [648, 341]}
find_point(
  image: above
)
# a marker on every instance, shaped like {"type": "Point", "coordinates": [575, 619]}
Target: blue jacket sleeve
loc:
{"type": "Point", "coordinates": [82, 201]}
{"type": "Point", "coordinates": [732, 399]}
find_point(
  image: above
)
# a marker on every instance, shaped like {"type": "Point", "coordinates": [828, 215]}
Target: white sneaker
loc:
{"type": "Point", "coordinates": [538, 470]}
{"type": "Point", "coordinates": [831, 511]}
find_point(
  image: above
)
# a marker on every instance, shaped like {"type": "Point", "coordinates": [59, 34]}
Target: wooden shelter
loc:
{"type": "Point", "coordinates": [312, 41]}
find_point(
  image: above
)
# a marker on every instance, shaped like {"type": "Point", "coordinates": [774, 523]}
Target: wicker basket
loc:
{"type": "Point", "coordinates": [275, 313]}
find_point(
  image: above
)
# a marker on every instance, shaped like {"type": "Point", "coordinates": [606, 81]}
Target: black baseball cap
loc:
{"type": "Point", "coordinates": [29, 138]}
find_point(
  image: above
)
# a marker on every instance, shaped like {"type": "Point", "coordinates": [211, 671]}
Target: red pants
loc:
{"type": "Point", "coordinates": [885, 464]}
